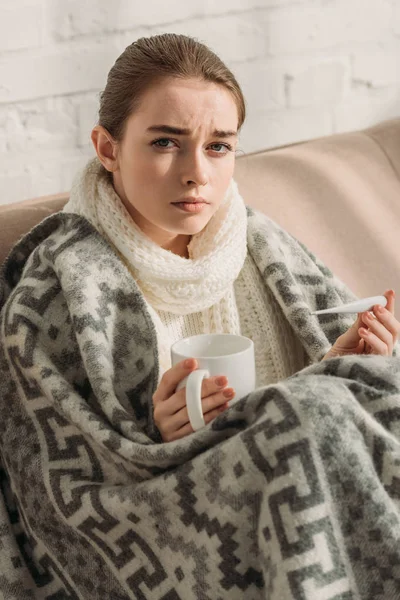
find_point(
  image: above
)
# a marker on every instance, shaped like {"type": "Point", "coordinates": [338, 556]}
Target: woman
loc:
{"type": "Point", "coordinates": [156, 244]}
{"type": "Point", "coordinates": [154, 163]}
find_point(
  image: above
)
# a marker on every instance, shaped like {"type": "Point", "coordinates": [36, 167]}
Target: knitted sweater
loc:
{"type": "Point", "coordinates": [278, 352]}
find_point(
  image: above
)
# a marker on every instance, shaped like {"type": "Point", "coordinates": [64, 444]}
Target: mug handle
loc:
{"type": "Point", "coordinates": [193, 396]}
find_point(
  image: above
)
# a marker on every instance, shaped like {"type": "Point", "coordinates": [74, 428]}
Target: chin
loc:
{"type": "Point", "coordinates": [195, 226]}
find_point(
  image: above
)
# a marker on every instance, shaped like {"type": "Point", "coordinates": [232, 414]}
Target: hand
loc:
{"type": "Point", "coordinates": [170, 412]}
{"type": "Point", "coordinates": [379, 337]}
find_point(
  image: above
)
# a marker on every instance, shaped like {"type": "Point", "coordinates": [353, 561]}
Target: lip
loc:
{"type": "Point", "coordinates": [190, 207]}
{"type": "Point", "coordinates": [192, 200]}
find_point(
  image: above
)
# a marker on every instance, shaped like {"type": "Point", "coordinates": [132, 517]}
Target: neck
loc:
{"type": "Point", "coordinates": [179, 245]}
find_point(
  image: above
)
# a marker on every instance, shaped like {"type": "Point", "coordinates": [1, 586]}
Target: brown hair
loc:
{"type": "Point", "coordinates": [149, 59]}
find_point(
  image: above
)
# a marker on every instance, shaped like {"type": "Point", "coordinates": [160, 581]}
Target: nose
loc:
{"type": "Point", "coordinates": [194, 169]}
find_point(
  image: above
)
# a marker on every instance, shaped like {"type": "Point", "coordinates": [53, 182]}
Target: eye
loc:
{"type": "Point", "coordinates": [157, 143]}
{"type": "Point", "coordinates": [227, 147]}
{"type": "Point", "coordinates": [163, 144]}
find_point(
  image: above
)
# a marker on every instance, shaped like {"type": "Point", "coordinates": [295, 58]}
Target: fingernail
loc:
{"type": "Point", "coordinates": [229, 394]}
{"type": "Point", "coordinates": [220, 381]}
{"type": "Point", "coordinates": [189, 363]}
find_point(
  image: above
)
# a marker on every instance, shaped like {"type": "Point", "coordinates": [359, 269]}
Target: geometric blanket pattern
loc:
{"type": "Point", "coordinates": [293, 493]}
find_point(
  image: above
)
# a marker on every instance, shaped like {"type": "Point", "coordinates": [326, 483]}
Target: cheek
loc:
{"type": "Point", "coordinates": [221, 175]}
{"type": "Point", "coordinates": [141, 169]}
{"type": "Point", "coordinates": [142, 179]}
{"type": "Point", "coordinates": [154, 172]}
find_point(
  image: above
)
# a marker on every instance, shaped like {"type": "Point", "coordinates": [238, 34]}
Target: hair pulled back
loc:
{"type": "Point", "coordinates": [150, 59]}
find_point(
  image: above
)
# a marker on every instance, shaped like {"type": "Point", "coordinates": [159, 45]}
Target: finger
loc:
{"type": "Point", "coordinates": [352, 337]}
{"type": "Point", "coordinates": [377, 345]}
{"type": "Point", "coordinates": [389, 295]}
{"type": "Point", "coordinates": [180, 418]}
{"type": "Point", "coordinates": [211, 402]}
{"type": "Point", "coordinates": [171, 406]}
{"type": "Point", "coordinates": [380, 329]}
{"type": "Point", "coordinates": [210, 387]}
{"type": "Point", "coordinates": [187, 428]}
{"type": "Point", "coordinates": [172, 377]}
{"type": "Point", "coordinates": [180, 433]}
{"type": "Point", "coordinates": [388, 319]}
{"type": "Point", "coordinates": [208, 417]}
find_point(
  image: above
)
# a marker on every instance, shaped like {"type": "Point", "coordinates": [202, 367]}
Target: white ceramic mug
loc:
{"type": "Point", "coordinates": [216, 354]}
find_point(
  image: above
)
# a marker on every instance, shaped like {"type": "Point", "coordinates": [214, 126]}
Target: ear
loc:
{"type": "Point", "coordinates": [106, 147]}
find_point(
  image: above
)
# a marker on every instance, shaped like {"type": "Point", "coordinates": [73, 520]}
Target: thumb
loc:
{"type": "Point", "coordinates": [351, 338]}
{"type": "Point", "coordinates": [352, 334]}
{"type": "Point", "coordinates": [349, 342]}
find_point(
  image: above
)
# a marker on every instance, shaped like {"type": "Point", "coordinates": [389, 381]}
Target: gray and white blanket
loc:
{"type": "Point", "coordinates": [292, 493]}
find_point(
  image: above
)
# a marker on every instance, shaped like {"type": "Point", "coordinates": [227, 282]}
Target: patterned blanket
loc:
{"type": "Point", "coordinates": [292, 493]}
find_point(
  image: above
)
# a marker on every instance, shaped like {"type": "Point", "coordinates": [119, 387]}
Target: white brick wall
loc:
{"type": "Point", "coordinates": [307, 68]}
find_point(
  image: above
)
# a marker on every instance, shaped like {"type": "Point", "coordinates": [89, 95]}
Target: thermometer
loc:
{"type": "Point", "coordinates": [355, 307]}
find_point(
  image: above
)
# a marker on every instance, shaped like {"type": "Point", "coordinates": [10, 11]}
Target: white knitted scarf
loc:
{"type": "Point", "coordinates": [168, 281]}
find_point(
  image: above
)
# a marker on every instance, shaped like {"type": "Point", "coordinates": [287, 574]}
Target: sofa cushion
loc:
{"type": "Point", "coordinates": [339, 195]}
{"type": "Point", "coordinates": [17, 219]}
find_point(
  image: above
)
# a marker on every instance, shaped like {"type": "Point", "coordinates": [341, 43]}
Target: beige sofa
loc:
{"type": "Point", "coordinates": [340, 195]}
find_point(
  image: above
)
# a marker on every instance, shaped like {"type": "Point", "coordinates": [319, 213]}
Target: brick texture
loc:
{"type": "Point", "coordinates": [307, 68]}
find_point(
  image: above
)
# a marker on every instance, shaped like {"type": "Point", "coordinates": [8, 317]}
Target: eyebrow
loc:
{"type": "Point", "coordinates": [220, 133]}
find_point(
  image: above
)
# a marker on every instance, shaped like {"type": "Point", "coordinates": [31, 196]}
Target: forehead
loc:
{"type": "Point", "coordinates": [187, 103]}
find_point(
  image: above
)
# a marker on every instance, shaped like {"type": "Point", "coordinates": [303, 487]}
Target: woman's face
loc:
{"type": "Point", "coordinates": [180, 142]}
